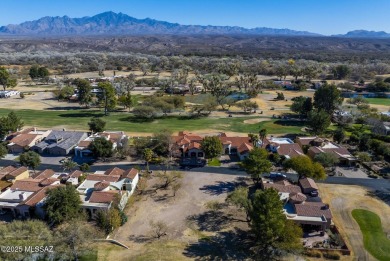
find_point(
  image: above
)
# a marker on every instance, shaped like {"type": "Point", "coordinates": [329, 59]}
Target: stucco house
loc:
{"type": "Point", "coordinates": [24, 140]}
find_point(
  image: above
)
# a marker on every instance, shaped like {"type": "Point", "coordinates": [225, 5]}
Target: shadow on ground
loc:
{"type": "Point", "coordinates": [211, 221]}
{"type": "Point", "coordinates": [228, 245]}
{"type": "Point", "coordinates": [383, 195]}
{"type": "Point", "coordinates": [223, 187]}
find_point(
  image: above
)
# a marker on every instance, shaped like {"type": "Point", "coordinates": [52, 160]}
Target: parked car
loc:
{"type": "Point", "coordinates": [277, 176]}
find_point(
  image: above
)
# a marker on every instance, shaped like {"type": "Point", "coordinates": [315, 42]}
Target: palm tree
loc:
{"type": "Point", "coordinates": [69, 164]}
{"type": "Point", "coordinates": [254, 139]}
{"type": "Point", "coordinates": [262, 135]}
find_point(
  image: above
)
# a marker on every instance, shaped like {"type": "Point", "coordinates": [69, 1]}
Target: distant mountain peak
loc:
{"type": "Point", "coordinates": [365, 34]}
{"type": "Point", "coordinates": [121, 24]}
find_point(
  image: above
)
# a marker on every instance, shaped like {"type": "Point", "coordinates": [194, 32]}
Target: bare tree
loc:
{"type": "Point", "coordinates": [158, 229]}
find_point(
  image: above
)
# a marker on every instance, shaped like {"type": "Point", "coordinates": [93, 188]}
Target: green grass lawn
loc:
{"type": "Point", "coordinates": [122, 121]}
{"type": "Point", "coordinates": [214, 162]}
{"type": "Point", "coordinates": [379, 101]}
{"type": "Point", "coordinates": [375, 240]}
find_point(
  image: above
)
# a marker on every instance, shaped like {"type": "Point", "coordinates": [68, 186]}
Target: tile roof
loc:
{"type": "Point", "coordinates": [313, 210]}
{"type": "Point", "coordinates": [308, 183]}
{"type": "Point", "coordinates": [24, 140]}
{"type": "Point", "coordinates": [75, 174]}
{"type": "Point", "coordinates": [17, 172]}
{"type": "Point", "coordinates": [48, 181]}
{"type": "Point", "coordinates": [38, 196]}
{"type": "Point", "coordinates": [47, 173]}
{"type": "Point", "coordinates": [298, 197]}
{"type": "Point", "coordinates": [244, 147]}
{"type": "Point", "coordinates": [235, 141]}
{"type": "Point", "coordinates": [194, 145]}
{"type": "Point", "coordinates": [114, 172]}
{"type": "Point", "coordinates": [101, 185]}
{"type": "Point", "coordinates": [102, 177]}
{"type": "Point", "coordinates": [103, 196]}
{"type": "Point", "coordinates": [282, 188]}
{"type": "Point", "coordinates": [62, 139]}
{"type": "Point", "coordinates": [130, 173]}
{"type": "Point", "coordinates": [84, 143]}
{"type": "Point", "coordinates": [6, 170]}
{"type": "Point", "coordinates": [291, 150]}
{"type": "Point", "coordinates": [305, 141]}
{"type": "Point", "coordinates": [27, 185]}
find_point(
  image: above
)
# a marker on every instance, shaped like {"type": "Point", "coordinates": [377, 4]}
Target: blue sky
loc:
{"type": "Point", "coordinates": [320, 16]}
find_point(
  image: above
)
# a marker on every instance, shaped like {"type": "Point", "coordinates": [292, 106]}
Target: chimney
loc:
{"type": "Point", "coordinates": [21, 196]}
{"type": "Point", "coordinates": [35, 129]}
{"type": "Point", "coordinates": [63, 129]}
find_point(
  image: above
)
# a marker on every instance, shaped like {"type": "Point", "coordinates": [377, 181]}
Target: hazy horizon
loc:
{"type": "Point", "coordinates": [326, 17]}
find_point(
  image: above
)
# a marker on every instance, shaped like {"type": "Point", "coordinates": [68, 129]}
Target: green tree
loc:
{"type": "Point", "coordinates": [254, 139]}
{"type": "Point", "coordinates": [127, 101]}
{"type": "Point", "coordinates": [101, 147]}
{"type": "Point", "coordinates": [109, 220]}
{"type": "Point", "coordinates": [305, 167]}
{"type": "Point", "coordinates": [326, 159]}
{"type": "Point", "coordinates": [275, 234]}
{"type": "Point", "coordinates": [364, 156]}
{"type": "Point", "coordinates": [69, 164]}
{"type": "Point", "coordinates": [38, 73]}
{"type": "Point", "coordinates": [5, 78]}
{"type": "Point", "coordinates": [318, 121]}
{"type": "Point", "coordinates": [84, 91]}
{"type": "Point", "coordinates": [30, 159]}
{"type": "Point", "coordinates": [85, 167]}
{"type": "Point", "coordinates": [302, 105]}
{"type": "Point", "coordinates": [97, 125]}
{"type": "Point", "coordinates": [3, 150]}
{"type": "Point", "coordinates": [257, 163]}
{"type": "Point", "coordinates": [341, 71]}
{"type": "Point", "coordinates": [144, 112]}
{"type": "Point", "coordinates": [240, 198]}
{"type": "Point", "coordinates": [10, 123]}
{"type": "Point", "coordinates": [62, 204]}
{"type": "Point", "coordinates": [148, 156]}
{"type": "Point", "coordinates": [211, 146]}
{"type": "Point", "coordinates": [327, 98]}
{"type": "Point", "coordinates": [108, 97]}
{"type": "Point", "coordinates": [339, 135]}
{"type": "Point", "coordinates": [262, 135]}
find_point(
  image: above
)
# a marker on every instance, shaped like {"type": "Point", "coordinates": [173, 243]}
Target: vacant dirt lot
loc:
{"type": "Point", "coordinates": [187, 215]}
{"type": "Point", "coordinates": [342, 200]}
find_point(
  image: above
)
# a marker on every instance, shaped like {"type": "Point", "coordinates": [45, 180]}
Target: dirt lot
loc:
{"type": "Point", "coordinates": [342, 200]}
{"type": "Point", "coordinates": [187, 216]}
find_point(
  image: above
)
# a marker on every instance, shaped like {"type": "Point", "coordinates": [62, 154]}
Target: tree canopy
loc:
{"type": "Point", "coordinates": [97, 125]}
{"type": "Point", "coordinates": [30, 159]}
{"type": "Point", "coordinates": [62, 204]}
{"type": "Point", "coordinates": [101, 147]}
{"type": "Point", "coordinates": [305, 167]}
{"type": "Point", "coordinates": [257, 163]}
{"type": "Point", "coordinates": [211, 146]}
{"type": "Point", "coordinates": [10, 123]}
{"type": "Point", "coordinates": [326, 159]}
{"type": "Point", "coordinates": [108, 96]}
{"type": "Point", "coordinates": [5, 78]}
{"type": "Point", "coordinates": [318, 121]}
{"type": "Point", "coordinates": [327, 98]}
{"type": "Point", "coordinates": [84, 91]}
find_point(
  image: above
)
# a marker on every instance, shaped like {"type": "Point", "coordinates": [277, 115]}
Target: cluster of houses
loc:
{"type": "Point", "coordinates": [302, 203]}
{"type": "Point", "coordinates": [59, 143]}
{"type": "Point", "coordinates": [23, 193]}
{"type": "Point", "coordinates": [188, 145]}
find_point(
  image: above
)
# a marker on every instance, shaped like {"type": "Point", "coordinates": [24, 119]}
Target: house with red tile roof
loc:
{"type": "Point", "coordinates": [301, 208]}
{"type": "Point", "coordinates": [98, 190]}
{"type": "Point", "coordinates": [341, 153]}
{"type": "Point", "coordinates": [240, 146]}
{"type": "Point", "coordinates": [187, 145]}
{"type": "Point", "coordinates": [284, 147]}
{"type": "Point", "coordinates": [25, 140]}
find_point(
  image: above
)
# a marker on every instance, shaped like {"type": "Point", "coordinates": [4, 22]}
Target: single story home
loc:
{"type": "Point", "coordinates": [25, 140]}
{"type": "Point", "coordinates": [59, 143]}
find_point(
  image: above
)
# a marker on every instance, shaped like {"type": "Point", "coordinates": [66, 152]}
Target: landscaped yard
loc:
{"type": "Point", "coordinates": [375, 240]}
{"type": "Point", "coordinates": [379, 101]}
{"type": "Point", "coordinates": [214, 162]}
{"type": "Point", "coordinates": [78, 119]}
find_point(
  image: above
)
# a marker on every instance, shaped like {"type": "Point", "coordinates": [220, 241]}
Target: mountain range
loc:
{"type": "Point", "coordinates": [110, 23]}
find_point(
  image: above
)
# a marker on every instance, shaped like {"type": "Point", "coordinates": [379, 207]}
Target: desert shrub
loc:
{"type": "Point", "coordinates": [332, 255]}
{"type": "Point", "coordinates": [313, 253]}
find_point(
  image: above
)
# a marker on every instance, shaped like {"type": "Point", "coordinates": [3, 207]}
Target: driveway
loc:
{"type": "Point", "coordinates": [351, 172]}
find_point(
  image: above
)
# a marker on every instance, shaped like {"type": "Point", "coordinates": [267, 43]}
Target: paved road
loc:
{"type": "Point", "coordinates": [372, 184]}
